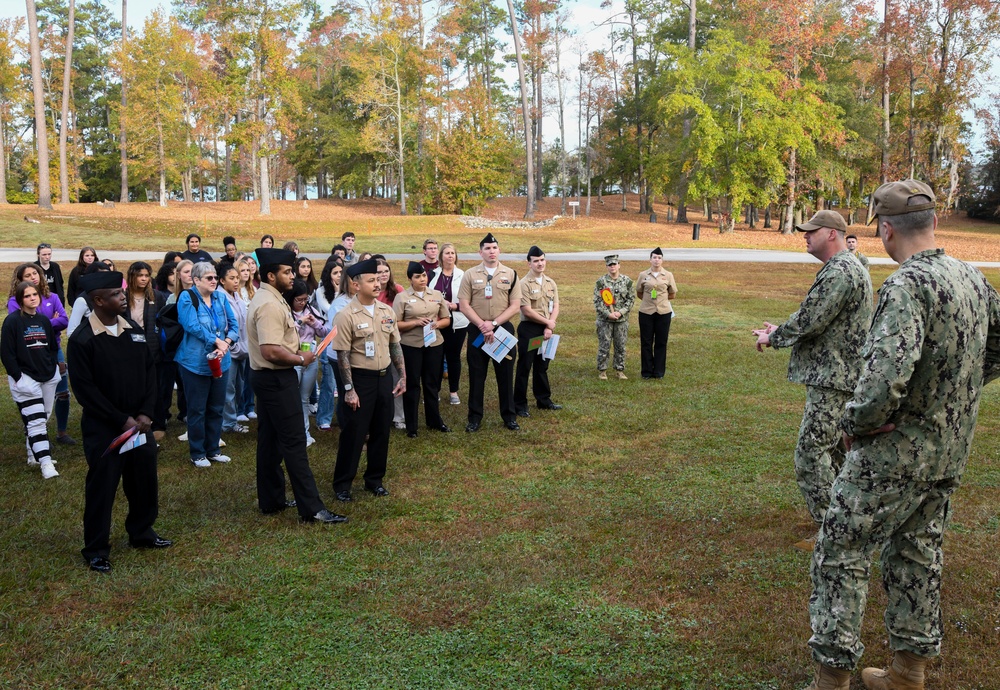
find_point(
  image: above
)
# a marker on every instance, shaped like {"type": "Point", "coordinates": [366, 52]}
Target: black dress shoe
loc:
{"type": "Point", "coordinates": [411, 434]}
{"type": "Point", "coordinates": [522, 413]}
{"type": "Point", "coordinates": [471, 427]}
{"type": "Point", "coordinates": [154, 543]}
{"type": "Point", "coordinates": [444, 428]}
{"type": "Point", "coordinates": [99, 564]}
{"type": "Point", "coordinates": [512, 425]}
{"type": "Point", "coordinates": [550, 406]}
{"type": "Point", "coordinates": [378, 491]}
{"type": "Point", "coordinates": [326, 517]}
{"type": "Point", "coordinates": [283, 506]}
{"type": "Point", "coordinates": [344, 496]}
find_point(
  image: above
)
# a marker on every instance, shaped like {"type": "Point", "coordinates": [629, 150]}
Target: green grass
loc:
{"type": "Point", "coordinates": [639, 538]}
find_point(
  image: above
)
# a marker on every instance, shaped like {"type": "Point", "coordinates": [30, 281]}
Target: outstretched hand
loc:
{"type": "Point", "coordinates": [764, 335]}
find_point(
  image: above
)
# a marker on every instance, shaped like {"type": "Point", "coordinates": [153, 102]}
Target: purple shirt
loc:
{"type": "Point", "coordinates": [51, 307]}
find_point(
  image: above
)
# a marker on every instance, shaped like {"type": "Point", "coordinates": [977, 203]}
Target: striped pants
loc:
{"type": "Point", "coordinates": [34, 402]}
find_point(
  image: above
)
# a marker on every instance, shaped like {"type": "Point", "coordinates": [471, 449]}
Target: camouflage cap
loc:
{"type": "Point", "coordinates": [824, 219]}
{"type": "Point", "coordinates": [892, 199]}
{"type": "Point", "coordinates": [610, 259]}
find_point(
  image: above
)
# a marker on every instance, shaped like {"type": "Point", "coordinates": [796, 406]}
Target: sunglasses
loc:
{"type": "Point", "coordinates": [211, 278]}
{"type": "Point", "coordinates": [45, 246]}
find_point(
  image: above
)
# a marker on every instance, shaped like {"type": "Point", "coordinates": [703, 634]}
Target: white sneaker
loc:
{"type": "Point", "coordinates": [324, 427]}
{"type": "Point", "coordinates": [242, 418]}
{"type": "Point", "coordinates": [399, 425]}
{"type": "Point", "coordinates": [183, 437]}
{"type": "Point", "coordinates": [48, 471]}
{"type": "Point", "coordinates": [313, 408]}
{"type": "Point", "coordinates": [251, 415]}
{"type": "Point", "coordinates": [309, 441]}
{"type": "Point", "coordinates": [201, 462]}
{"type": "Point", "coordinates": [453, 400]}
{"type": "Point", "coordinates": [222, 444]}
{"type": "Point", "coordinates": [238, 429]}
{"type": "Point", "coordinates": [32, 462]}
{"type": "Point", "coordinates": [219, 457]}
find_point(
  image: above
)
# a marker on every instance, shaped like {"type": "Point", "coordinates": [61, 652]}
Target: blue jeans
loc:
{"type": "Point", "coordinates": [324, 411]}
{"type": "Point", "coordinates": [307, 383]}
{"type": "Point", "coordinates": [206, 398]}
{"type": "Point", "coordinates": [246, 405]}
{"type": "Point", "coordinates": [238, 380]}
{"type": "Point", "coordinates": [62, 398]}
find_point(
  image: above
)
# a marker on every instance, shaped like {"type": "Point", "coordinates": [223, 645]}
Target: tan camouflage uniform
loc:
{"type": "Point", "coordinates": [609, 331]}
{"type": "Point", "coordinates": [934, 343]}
{"type": "Point", "coordinates": [826, 335]}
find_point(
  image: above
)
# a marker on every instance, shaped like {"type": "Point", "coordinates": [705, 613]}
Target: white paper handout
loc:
{"type": "Point", "coordinates": [133, 443]}
{"type": "Point", "coordinates": [550, 346]}
{"type": "Point", "coordinates": [430, 334]}
{"type": "Point", "coordinates": [503, 342]}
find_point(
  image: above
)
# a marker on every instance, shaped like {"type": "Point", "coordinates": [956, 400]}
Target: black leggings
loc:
{"type": "Point", "coordinates": [453, 341]}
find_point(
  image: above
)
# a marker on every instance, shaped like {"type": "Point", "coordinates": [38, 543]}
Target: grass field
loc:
{"type": "Point", "coordinates": [639, 538]}
{"type": "Point", "coordinates": [379, 228]}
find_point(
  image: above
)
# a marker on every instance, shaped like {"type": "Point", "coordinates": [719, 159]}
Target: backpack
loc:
{"type": "Point", "coordinates": [171, 331]}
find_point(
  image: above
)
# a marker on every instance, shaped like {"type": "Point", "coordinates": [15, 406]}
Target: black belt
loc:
{"type": "Point", "coordinates": [369, 372]}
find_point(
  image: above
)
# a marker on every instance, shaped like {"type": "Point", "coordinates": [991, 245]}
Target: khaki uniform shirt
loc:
{"type": "Point", "coordinates": [933, 344]}
{"type": "Point", "coordinates": [356, 328]}
{"type": "Point", "coordinates": [473, 288]}
{"type": "Point", "coordinates": [409, 306]}
{"type": "Point", "coordinates": [542, 297]}
{"type": "Point", "coordinates": [270, 322]}
{"type": "Point", "coordinates": [828, 330]}
{"type": "Point", "coordinates": [665, 287]}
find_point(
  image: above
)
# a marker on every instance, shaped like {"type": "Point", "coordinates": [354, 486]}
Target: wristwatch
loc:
{"type": "Point", "coordinates": [348, 387]}
{"type": "Point", "coordinates": [495, 324]}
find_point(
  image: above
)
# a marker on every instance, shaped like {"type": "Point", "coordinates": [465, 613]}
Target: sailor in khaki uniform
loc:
{"type": "Point", "coordinates": [654, 288]}
{"type": "Point", "coordinates": [367, 341]}
{"type": "Point", "coordinates": [274, 354]}
{"type": "Point", "coordinates": [539, 310]}
{"type": "Point", "coordinates": [417, 308]}
{"type": "Point", "coordinates": [488, 298]}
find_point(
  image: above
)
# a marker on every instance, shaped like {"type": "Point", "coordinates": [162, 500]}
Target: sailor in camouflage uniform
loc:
{"type": "Point", "coordinates": [612, 320]}
{"type": "Point", "coordinates": [826, 335]}
{"type": "Point", "coordinates": [934, 343]}
{"type": "Point", "coordinates": [852, 245]}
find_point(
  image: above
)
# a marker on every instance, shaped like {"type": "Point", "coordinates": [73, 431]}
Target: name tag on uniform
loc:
{"type": "Point", "coordinates": [413, 300]}
{"type": "Point", "coordinates": [362, 325]}
{"type": "Point", "coordinates": [138, 338]}
{"type": "Point", "coordinates": [477, 280]}
{"type": "Point", "coordinates": [370, 349]}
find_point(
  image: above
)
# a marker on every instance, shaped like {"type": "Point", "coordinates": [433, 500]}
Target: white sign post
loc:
{"type": "Point", "coordinates": [574, 205]}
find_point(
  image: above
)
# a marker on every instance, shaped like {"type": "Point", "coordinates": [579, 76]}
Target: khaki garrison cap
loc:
{"type": "Point", "coordinates": [891, 199]}
{"type": "Point", "coordinates": [824, 219]}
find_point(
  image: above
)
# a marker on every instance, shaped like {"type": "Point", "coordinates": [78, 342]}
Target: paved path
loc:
{"type": "Point", "coordinates": [69, 256]}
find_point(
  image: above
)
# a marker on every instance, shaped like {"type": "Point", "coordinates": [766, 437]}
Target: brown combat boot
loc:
{"type": "Point", "coordinates": [830, 678]}
{"type": "Point", "coordinates": [905, 673]}
{"type": "Point", "coordinates": [602, 375]}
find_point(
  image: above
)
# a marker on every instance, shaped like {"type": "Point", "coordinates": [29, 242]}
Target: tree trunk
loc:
{"type": "Point", "coordinates": [121, 119]}
{"type": "Point", "coordinates": [399, 138]}
{"type": "Point", "coordinates": [265, 188]}
{"type": "Point", "coordinates": [163, 163]}
{"type": "Point", "coordinates": [229, 162]}
{"type": "Point", "coordinates": [37, 88]}
{"type": "Point", "coordinates": [885, 93]}
{"type": "Point", "coordinates": [529, 212]}
{"type": "Point", "coordinates": [767, 217]}
{"type": "Point", "coordinates": [64, 112]}
{"type": "Point", "coordinates": [539, 66]}
{"type": "Point", "coordinates": [789, 225]}
{"type": "Point", "coordinates": [3, 165]}
{"type": "Point", "coordinates": [562, 121]}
